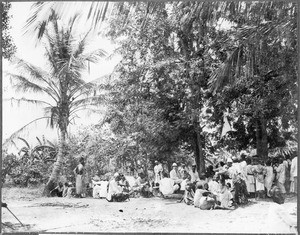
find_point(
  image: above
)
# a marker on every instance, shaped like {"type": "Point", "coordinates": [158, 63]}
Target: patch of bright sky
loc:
{"type": "Point", "coordinates": [16, 116]}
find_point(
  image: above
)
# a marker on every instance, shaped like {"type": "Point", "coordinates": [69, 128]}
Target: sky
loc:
{"type": "Point", "coordinates": [16, 116]}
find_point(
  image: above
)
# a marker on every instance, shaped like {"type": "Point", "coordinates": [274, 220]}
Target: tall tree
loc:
{"type": "Point", "coordinates": [8, 46]}
{"type": "Point", "coordinates": [61, 84]}
{"type": "Point", "coordinates": [258, 77]}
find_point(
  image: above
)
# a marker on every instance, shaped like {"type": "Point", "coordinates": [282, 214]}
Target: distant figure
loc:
{"type": "Point", "coordinates": [175, 175]}
{"type": "Point", "coordinates": [269, 177]}
{"type": "Point", "coordinates": [250, 180]}
{"type": "Point", "coordinates": [280, 176]}
{"type": "Point", "coordinates": [114, 189]}
{"type": "Point", "coordinates": [58, 190]}
{"type": "Point", "coordinates": [65, 190]}
{"type": "Point", "coordinates": [79, 175]}
{"type": "Point", "coordinates": [158, 170]}
{"type": "Point", "coordinates": [293, 175]}
{"type": "Point", "coordinates": [194, 174]}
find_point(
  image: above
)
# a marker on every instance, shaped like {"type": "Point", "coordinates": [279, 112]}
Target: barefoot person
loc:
{"type": "Point", "coordinates": [78, 171]}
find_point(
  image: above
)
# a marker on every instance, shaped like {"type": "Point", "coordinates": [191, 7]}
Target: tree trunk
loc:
{"type": "Point", "coordinates": [261, 138]}
{"type": "Point", "coordinates": [199, 156]}
{"type": "Point", "coordinates": [52, 182]}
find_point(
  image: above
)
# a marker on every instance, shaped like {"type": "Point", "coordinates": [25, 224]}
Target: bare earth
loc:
{"type": "Point", "coordinates": [40, 214]}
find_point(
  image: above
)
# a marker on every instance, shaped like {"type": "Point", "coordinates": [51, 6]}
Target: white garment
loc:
{"type": "Point", "coordinates": [158, 169]}
{"type": "Point", "coordinates": [294, 167]}
{"type": "Point", "coordinates": [96, 191]}
{"type": "Point", "coordinates": [213, 186]}
{"type": "Point", "coordinates": [113, 188]}
{"type": "Point", "coordinates": [197, 197]}
{"type": "Point", "coordinates": [103, 190]}
{"type": "Point", "coordinates": [167, 186]}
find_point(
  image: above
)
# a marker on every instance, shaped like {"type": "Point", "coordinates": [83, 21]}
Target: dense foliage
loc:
{"type": "Point", "coordinates": [196, 81]}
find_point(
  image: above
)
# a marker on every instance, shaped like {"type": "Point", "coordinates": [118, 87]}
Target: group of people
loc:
{"type": "Point", "coordinates": [231, 183]}
{"type": "Point", "coordinates": [221, 187]}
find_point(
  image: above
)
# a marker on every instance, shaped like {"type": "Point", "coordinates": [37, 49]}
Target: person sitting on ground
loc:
{"type": "Point", "coordinates": [174, 174]}
{"type": "Point", "coordinates": [213, 185]}
{"type": "Point", "coordinates": [207, 201]}
{"type": "Point", "coordinates": [71, 190]}
{"type": "Point", "coordinates": [167, 185]}
{"type": "Point", "coordinates": [198, 194]}
{"type": "Point", "coordinates": [188, 196]}
{"type": "Point", "coordinates": [65, 190]}
{"type": "Point", "coordinates": [141, 186]}
{"type": "Point", "coordinates": [277, 195]}
{"type": "Point", "coordinates": [114, 190]}
{"type": "Point", "coordinates": [96, 186]}
{"type": "Point", "coordinates": [224, 198]}
{"type": "Point", "coordinates": [58, 190]}
{"type": "Point", "coordinates": [123, 182]}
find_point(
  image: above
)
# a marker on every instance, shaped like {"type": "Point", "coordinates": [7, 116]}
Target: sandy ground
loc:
{"type": "Point", "coordinates": [40, 214]}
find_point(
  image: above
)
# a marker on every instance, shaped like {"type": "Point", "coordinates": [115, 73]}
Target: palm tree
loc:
{"type": "Point", "coordinates": [64, 90]}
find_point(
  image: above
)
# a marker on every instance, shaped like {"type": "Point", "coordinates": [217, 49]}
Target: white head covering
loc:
{"type": "Point", "coordinates": [174, 164]}
{"type": "Point", "coordinates": [116, 174]}
{"type": "Point", "coordinates": [229, 160]}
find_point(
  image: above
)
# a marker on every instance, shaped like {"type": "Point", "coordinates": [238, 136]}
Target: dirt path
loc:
{"type": "Point", "coordinates": [140, 215]}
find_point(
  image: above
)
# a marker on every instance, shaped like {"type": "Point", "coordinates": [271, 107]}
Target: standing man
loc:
{"type": "Point", "coordinates": [194, 174]}
{"type": "Point", "coordinates": [280, 177]}
{"type": "Point", "coordinates": [79, 171]}
{"type": "Point", "coordinates": [294, 170]}
{"type": "Point", "coordinates": [158, 170]}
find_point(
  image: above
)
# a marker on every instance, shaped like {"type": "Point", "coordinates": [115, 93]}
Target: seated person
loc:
{"type": "Point", "coordinates": [65, 190]}
{"type": "Point", "coordinates": [167, 185]}
{"type": "Point", "coordinates": [114, 189]}
{"type": "Point", "coordinates": [96, 187]}
{"type": "Point", "coordinates": [71, 190]}
{"type": "Point", "coordinates": [198, 194]}
{"type": "Point", "coordinates": [175, 175]}
{"type": "Point", "coordinates": [123, 182]}
{"type": "Point", "coordinates": [213, 185]}
{"type": "Point", "coordinates": [189, 194]}
{"type": "Point", "coordinates": [207, 201]}
{"type": "Point", "coordinates": [224, 198]}
{"type": "Point", "coordinates": [58, 190]}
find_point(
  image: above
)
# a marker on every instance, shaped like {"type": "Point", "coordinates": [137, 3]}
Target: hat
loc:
{"type": "Point", "coordinates": [156, 161]}
{"type": "Point", "coordinates": [229, 160]}
{"type": "Point", "coordinates": [174, 164]}
{"type": "Point", "coordinates": [116, 174]}
{"type": "Point", "coordinates": [194, 164]}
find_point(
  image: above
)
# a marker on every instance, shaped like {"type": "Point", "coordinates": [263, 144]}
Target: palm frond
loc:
{"type": "Point", "coordinates": [24, 85]}
{"type": "Point", "coordinates": [21, 100]}
{"type": "Point", "coordinates": [18, 132]}
{"type": "Point", "coordinates": [25, 141]}
{"type": "Point", "coordinates": [38, 139]}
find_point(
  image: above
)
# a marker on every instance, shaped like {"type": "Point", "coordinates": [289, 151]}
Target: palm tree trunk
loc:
{"type": "Point", "coordinates": [52, 182]}
{"type": "Point", "coordinates": [261, 137]}
{"type": "Point", "coordinates": [199, 156]}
